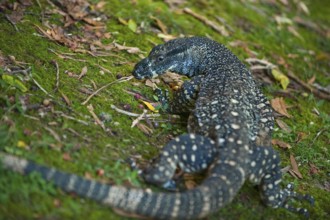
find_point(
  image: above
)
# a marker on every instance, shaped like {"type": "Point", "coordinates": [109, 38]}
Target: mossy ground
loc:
{"type": "Point", "coordinates": [32, 198]}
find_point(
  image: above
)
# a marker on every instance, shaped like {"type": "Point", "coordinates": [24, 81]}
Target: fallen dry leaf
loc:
{"type": "Point", "coordinates": [174, 3]}
{"type": "Point", "coordinates": [151, 83]}
{"type": "Point", "coordinates": [313, 169]}
{"type": "Point", "coordinates": [218, 28]}
{"type": "Point", "coordinates": [172, 79]}
{"type": "Point", "coordinates": [57, 203]}
{"type": "Point", "coordinates": [293, 31]}
{"type": "Point", "coordinates": [83, 72]}
{"type": "Point", "coordinates": [100, 172]}
{"type": "Point", "coordinates": [302, 6]}
{"type": "Point", "coordinates": [160, 25]}
{"type": "Point", "coordinates": [166, 37]}
{"type": "Point", "coordinates": [283, 125]}
{"type": "Point", "coordinates": [300, 136]}
{"type": "Point", "coordinates": [295, 167]}
{"type": "Point", "coordinates": [132, 50]}
{"type": "Point", "coordinates": [281, 144]}
{"type": "Point", "coordinates": [311, 80]}
{"type": "Point", "coordinates": [189, 181]}
{"type": "Point", "coordinates": [278, 104]}
{"type": "Point", "coordinates": [66, 156]}
{"type": "Point", "coordinates": [66, 99]}
{"type": "Point", "coordinates": [280, 20]}
{"type": "Point", "coordinates": [88, 175]}
{"type": "Point", "coordinates": [145, 129]}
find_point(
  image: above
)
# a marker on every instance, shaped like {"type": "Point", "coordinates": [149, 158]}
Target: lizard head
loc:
{"type": "Point", "coordinates": [174, 56]}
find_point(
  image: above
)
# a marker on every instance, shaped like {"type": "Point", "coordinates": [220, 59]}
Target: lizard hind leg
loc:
{"type": "Point", "coordinates": [265, 170]}
{"type": "Point", "coordinates": [192, 153]}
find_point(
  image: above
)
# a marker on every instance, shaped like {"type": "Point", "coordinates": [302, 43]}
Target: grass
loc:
{"type": "Point", "coordinates": [32, 198]}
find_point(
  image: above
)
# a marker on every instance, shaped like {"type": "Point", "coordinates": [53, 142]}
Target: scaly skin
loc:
{"type": "Point", "coordinates": [229, 130]}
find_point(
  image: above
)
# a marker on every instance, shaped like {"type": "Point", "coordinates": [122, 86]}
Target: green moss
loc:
{"type": "Point", "coordinates": [30, 197]}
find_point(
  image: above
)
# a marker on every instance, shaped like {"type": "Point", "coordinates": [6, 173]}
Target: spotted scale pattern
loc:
{"type": "Point", "coordinates": [229, 130]}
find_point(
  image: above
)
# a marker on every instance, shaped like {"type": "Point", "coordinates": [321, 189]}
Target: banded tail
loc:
{"type": "Point", "coordinates": [197, 203]}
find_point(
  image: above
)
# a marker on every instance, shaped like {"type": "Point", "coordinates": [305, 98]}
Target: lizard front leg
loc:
{"type": "Point", "coordinates": [192, 153]}
{"type": "Point", "coordinates": [184, 99]}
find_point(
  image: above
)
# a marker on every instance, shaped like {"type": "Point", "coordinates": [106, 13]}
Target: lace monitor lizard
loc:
{"type": "Point", "coordinates": [229, 132]}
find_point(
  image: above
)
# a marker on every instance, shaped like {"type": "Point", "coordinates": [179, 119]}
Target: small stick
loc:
{"type": "Point", "coordinates": [315, 91]}
{"type": "Point", "coordinates": [24, 71]}
{"type": "Point", "coordinates": [139, 118]}
{"type": "Point", "coordinates": [57, 75]}
{"type": "Point", "coordinates": [52, 132]}
{"type": "Point", "coordinates": [97, 120]}
{"type": "Point", "coordinates": [74, 119]}
{"type": "Point", "coordinates": [79, 135]}
{"type": "Point", "coordinates": [105, 86]}
{"type": "Point", "coordinates": [40, 87]}
{"type": "Point", "coordinates": [133, 114]}
{"type": "Point", "coordinates": [220, 29]}
{"type": "Point", "coordinates": [12, 23]}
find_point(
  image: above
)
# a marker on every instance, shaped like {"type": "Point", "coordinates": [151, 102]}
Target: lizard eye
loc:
{"type": "Point", "coordinates": [160, 58]}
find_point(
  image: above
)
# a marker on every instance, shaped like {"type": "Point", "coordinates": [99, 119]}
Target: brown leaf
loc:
{"type": "Point", "coordinates": [66, 156]}
{"type": "Point", "coordinates": [313, 169]}
{"type": "Point", "coordinates": [218, 28]}
{"type": "Point", "coordinates": [295, 167]}
{"type": "Point", "coordinates": [281, 144]}
{"type": "Point", "coordinates": [279, 106]}
{"type": "Point", "coordinates": [174, 3]}
{"type": "Point", "coordinates": [132, 50]}
{"type": "Point", "coordinates": [145, 129]}
{"type": "Point", "coordinates": [88, 175]}
{"type": "Point", "coordinates": [283, 126]}
{"type": "Point", "coordinates": [301, 135]}
{"type": "Point", "coordinates": [172, 79]}
{"type": "Point", "coordinates": [294, 31]}
{"type": "Point", "coordinates": [17, 15]}
{"type": "Point", "coordinates": [66, 99]}
{"type": "Point", "coordinates": [189, 181]}
{"type": "Point", "coordinates": [311, 80]}
{"type": "Point", "coordinates": [57, 203]}
{"type": "Point", "coordinates": [100, 172]}
{"type": "Point", "coordinates": [160, 25]}
{"type": "Point", "coordinates": [83, 72]}
{"type": "Point", "coordinates": [150, 84]}
{"type": "Point", "coordinates": [166, 37]}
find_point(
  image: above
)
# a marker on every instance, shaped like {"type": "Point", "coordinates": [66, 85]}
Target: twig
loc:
{"type": "Point", "coordinates": [307, 87]}
{"type": "Point", "coordinates": [223, 21]}
{"type": "Point", "coordinates": [133, 114]}
{"type": "Point", "coordinates": [66, 57]}
{"type": "Point", "coordinates": [83, 72]}
{"type": "Point", "coordinates": [317, 135]}
{"type": "Point", "coordinates": [255, 61]}
{"type": "Point", "coordinates": [31, 117]}
{"type": "Point", "coordinates": [104, 69]}
{"type": "Point", "coordinates": [24, 71]}
{"type": "Point", "coordinates": [139, 118]}
{"type": "Point", "coordinates": [72, 118]}
{"type": "Point", "coordinates": [57, 75]}
{"type": "Point", "coordinates": [219, 28]}
{"type": "Point", "coordinates": [97, 120]}
{"type": "Point", "coordinates": [52, 132]}
{"type": "Point", "coordinates": [12, 23]}
{"type": "Point", "coordinates": [105, 86]}
{"type": "Point", "coordinates": [40, 87]}
{"type": "Point", "coordinates": [79, 135]}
